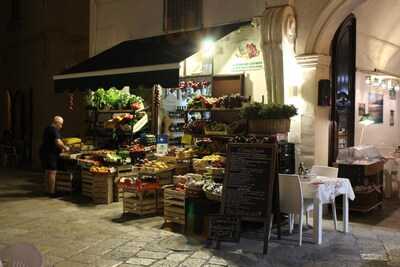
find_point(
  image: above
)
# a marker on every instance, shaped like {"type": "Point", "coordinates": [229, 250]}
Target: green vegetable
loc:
{"type": "Point", "coordinates": [111, 99]}
{"type": "Point", "coordinates": [257, 111]}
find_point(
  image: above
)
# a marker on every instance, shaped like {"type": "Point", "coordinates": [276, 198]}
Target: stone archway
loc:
{"type": "Point", "coordinates": [321, 35]}
{"type": "Point", "coordinates": [315, 63]}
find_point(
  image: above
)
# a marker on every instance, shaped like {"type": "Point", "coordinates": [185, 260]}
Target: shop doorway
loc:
{"type": "Point", "coordinates": [343, 52]}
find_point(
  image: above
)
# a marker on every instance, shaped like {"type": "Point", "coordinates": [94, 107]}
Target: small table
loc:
{"type": "Point", "coordinates": [323, 190]}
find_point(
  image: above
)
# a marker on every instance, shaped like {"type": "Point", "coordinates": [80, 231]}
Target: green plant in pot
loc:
{"type": "Point", "coordinates": [268, 118]}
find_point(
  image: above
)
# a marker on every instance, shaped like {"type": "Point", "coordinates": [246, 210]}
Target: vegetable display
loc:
{"type": "Point", "coordinates": [113, 99]}
{"type": "Point", "coordinates": [227, 101]}
{"type": "Point", "coordinates": [259, 111]}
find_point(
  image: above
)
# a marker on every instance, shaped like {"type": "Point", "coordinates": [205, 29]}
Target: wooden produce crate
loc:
{"type": "Point", "coordinates": [64, 181]}
{"type": "Point", "coordinates": [140, 203]}
{"type": "Point", "coordinates": [174, 205]}
{"type": "Point", "coordinates": [98, 187]}
{"type": "Point", "coordinates": [86, 183]}
{"type": "Point", "coordinates": [122, 171]}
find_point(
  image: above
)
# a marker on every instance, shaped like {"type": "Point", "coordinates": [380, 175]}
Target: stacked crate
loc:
{"type": "Point", "coordinates": [140, 203]}
{"type": "Point", "coordinates": [64, 181]}
{"type": "Point", "coordinates": [174, 205]}
{"type": "Point", "coordinates": [122, 171]}
{"type": "Point", "coordinates": [99, 187]}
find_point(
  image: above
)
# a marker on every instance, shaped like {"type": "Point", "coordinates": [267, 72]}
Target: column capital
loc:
{"type": "Point", "coordinates": [313, 61]}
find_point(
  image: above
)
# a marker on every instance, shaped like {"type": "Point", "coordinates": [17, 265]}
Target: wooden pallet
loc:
{"type": "Point", "coordinates": [140, 203]}
{"type": "Point", "coordinates": [64, 181]}
{"type": "Point", "coordinates": [174, 205]}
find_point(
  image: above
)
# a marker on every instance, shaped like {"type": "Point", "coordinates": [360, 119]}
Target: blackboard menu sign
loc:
{"type": "Point", "coordinates": [224, 228]}
{"type": "Point", "coordinates": [249, 180]}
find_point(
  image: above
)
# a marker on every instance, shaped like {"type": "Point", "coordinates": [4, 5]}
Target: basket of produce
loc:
{"type": "Point", "coordinates": [146, 183]}
{"type": "Point", "coordinates": [194, 192]}
{"type": "Point", "coordinates": [101, 170]}
{"type": "Point", "coordinates": [153, 166]}
{"type": "Point", "coordinates": [195, 127]}
{"type": "Point", "coordinates": [215, 128]}
{"type": "Point", "coordinates": [194, 186]}
{"type": "Point", "coordinates": [213, 190]}
{"type": "Point", "coordinates": [87, 163]}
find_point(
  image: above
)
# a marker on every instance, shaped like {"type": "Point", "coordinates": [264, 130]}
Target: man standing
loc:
{"type": "Point", "coordinates": [50, 151]}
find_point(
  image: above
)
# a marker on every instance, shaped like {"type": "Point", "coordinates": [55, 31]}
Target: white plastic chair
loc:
{"type": "Point", "coordinates": [292, 202]}
{"type": "Point", "coordinates": [21, 255]}
{"type": "Point", "coordinates": [330, 172]}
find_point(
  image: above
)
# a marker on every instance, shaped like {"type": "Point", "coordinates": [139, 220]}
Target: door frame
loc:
{"type": "Point", "coordinates": [349, 24]}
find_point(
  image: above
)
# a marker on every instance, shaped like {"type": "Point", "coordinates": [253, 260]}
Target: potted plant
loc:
{"type": "Point", "coordinates": [268, 118]}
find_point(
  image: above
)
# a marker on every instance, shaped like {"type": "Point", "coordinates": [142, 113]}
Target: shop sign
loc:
{"type": "Point", "coordinates": [247, 57]}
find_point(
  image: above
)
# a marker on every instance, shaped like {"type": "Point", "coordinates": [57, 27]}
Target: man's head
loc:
{"type": "Point", "coordinates": [58, 122]}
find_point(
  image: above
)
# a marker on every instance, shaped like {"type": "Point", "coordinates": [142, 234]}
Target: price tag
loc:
{"type": "Point", "coordinates": [186, 139]}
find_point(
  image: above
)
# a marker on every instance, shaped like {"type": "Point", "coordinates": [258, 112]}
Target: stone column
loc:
{"type": "Point", "coordinates": [278, 32]}
{"type": "Point", "coordinates": [314, 121]}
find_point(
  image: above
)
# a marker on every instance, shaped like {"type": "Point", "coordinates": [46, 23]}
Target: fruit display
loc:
{"type": "Point", "coordinates": [193, 84]}
{"type": "Point", "coordinates": [71, 141]}
{"type": "Point", "coordinates": [195, 127]}
{"type": "Point", "coordinates": [186, 153]}
{"type": "Point", "coordinates": [215, 161]}
{"type": "Point", "coordinates": [213, 190]}
{"type": "Point", "coordinates": [136, 148]}
{"type": "Point", "coordinates": [180, 182]}
{"type": "Point", "coordinates": [101, 170]}
{"type": "Point", "coordinates": [112, 158]}
{"type": "Point", "coordinates": [253, 139]}
{"type": "Point", "coordinates": [215, 128]}
{"type": "Point", "coordinates": [121, 119]}
{"type": "Point", "coordinates": [227, 102]}
{"type": "Point", "coordinates": [87, 163]}
{"type": "Point", "coordinates": [233, 101]}
{"type": "Point", "coordinates": [152, 166]}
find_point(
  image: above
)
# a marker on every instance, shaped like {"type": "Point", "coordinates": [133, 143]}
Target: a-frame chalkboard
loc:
{"type": "Point", "coordinates": [249, 183]}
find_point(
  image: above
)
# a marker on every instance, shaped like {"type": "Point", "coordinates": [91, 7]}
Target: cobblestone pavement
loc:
{"type": "Point", "coordinates": [73, 232]}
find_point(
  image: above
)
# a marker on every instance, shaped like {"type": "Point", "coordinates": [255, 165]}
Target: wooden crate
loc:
{"type": "Point", "coordinates": [123, 171]}
{"type": "Point", "coordinates": [140, 203]}
{"type": "Point", "coordinates": [174, 205]}
{"type": "Point", "coordinates": [64, 181]}
{"type": "Point", "coordinates": [98, 187]}
{"type": "Point", "coordinates": [86, 183]}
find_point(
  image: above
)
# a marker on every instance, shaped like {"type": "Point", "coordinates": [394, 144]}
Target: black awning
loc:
{"type": "Point", "coordinates": [145, 62]}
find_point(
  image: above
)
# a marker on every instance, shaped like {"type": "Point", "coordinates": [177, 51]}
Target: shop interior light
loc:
{"type": "Point", "coordinates": [208, 47]}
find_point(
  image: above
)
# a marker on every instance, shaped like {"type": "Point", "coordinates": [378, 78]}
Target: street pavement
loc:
{"type": "Point", "coordinates": [71, 231]}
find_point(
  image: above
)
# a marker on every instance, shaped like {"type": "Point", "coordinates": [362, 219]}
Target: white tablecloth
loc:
{"type": "Point", "coordinates": [326, 189]}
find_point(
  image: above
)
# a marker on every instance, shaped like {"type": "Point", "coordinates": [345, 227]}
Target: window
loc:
{"type": "Point", "coordinates": [182, 15]}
